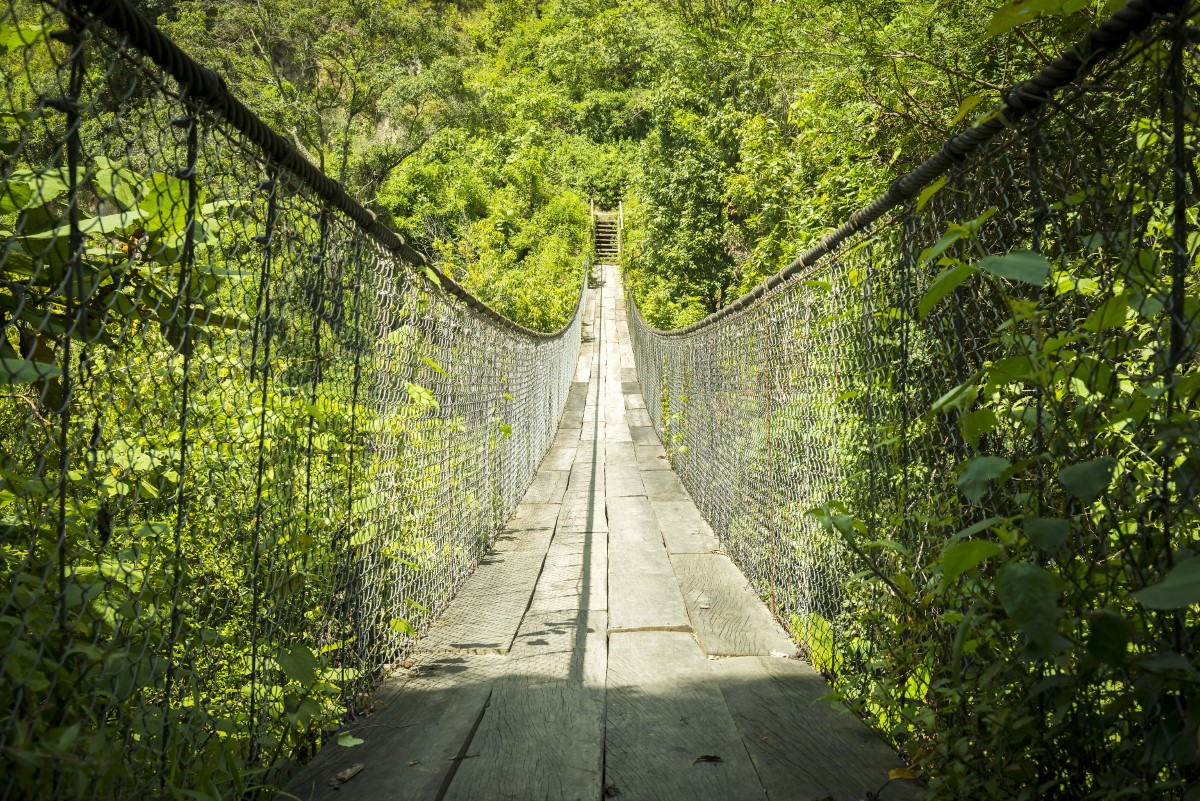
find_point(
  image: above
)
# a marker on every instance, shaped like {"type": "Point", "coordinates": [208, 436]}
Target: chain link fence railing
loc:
{"type": "Point", "coordinates": [957, 451]}
{"type": "Point", "coordinates": [247, 450]}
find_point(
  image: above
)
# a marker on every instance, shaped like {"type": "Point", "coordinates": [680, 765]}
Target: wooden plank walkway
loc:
{"type": "Point", "coordinates": [606, 647]}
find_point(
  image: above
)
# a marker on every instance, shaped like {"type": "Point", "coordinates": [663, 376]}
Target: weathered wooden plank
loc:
{"type": "Point", "coordinates": [587, 476]}
{"type": "Point", "coordinates": [593, 431]}
{"type": "Point", "coordinates": [542, 736]}
{"type": "Point", "coordinates": [634, 517]}
{"type": "Point", "coordinates": [642, 589]}
{"type": "Point", "coordinates": [559, 457]}
{"type": "Point", "coordinates": [548, 486]}
{"type": "Point", "coordinates": [571, 419]}
{"type": "Point", "coordinates": [683, 529]}
{"type": "Point", "coordinates": [424, 721]}
{"type": "Point", "coordinates": [614, 411]}
{"type": "Point", "coordinates": [565, 438]}
{"type": "Point", "coordinates": [644, 435]}
{"type": "Point", "coordinates": [802, 746]}
{"type": "Point", "coordinates": [575, 573]}
{"type": "Point", "coordinates": [620, 454]}
{"type": "Point", "coordinates": [663, 485]}
{"type": "Point", "coordinates": [728, 617]}
{"type": "Point", "coordinates": [622, 481]}
{"type": "Point", "coordinates": [483, 617]}
{"type": "Point", "coordinates": [529, 516]}
{"type": "Point", "coordinates": [639, 417]}
{"type": "Point", "coordinates": [652, 457]}
{"type": "Point", "coordinates": [669, 735]}
{"type": "Point", "coordinates": [582, 511]}
{"type": "Point", "coordinates": [619, 433]}
{"type": "Point", "coordinates": [635, 401]}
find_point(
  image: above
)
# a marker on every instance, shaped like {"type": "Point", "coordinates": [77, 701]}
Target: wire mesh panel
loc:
{"type": "Point", "coordinates": [247, 452]}
{"type": "Point", "coordinates": [958, 455]}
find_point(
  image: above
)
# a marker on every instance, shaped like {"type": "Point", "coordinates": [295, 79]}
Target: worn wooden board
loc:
{"type": "Point", "coordinates": [642, 589]}
{"type": "Point", "coordinates": [622, 481]}
{"type": "Point", "coordinates": [684, 530]}
{"type": "Point", "coordinates": [484, 615]}
{"type": "Point", "coordinates": [635, 401]}
{"type": "Point", "coordinates": [669, 735]}
{"type": "Point", "coordinates": [620, 454]}
{"type": "Point", "coordinates": [559, 457]}
{"type": "Point", "coordinates": [575, 573]}
{"type": "Point", "coordinates": [423, 721]}
{"type": "Point", "coordinates": [652, 457]}
{"type": "Point", "coordinates": [619, 432]}
{"type": "Point", "coordinates": [586, 477]}
{"type": "Point", "coordinates": [582, 511]}
{"type": "Point", "coordinates": [542, 736]}
{"type": "Point", "coordinates": [644, 435]}
{"type": "Point", "coordinates": [727, 615]}
{"type": "Point", "coordinates": [802, 746]}
{"type": "Point", "coordinates": [571, 420]}
{"type": "Point", "coordinates": [548, 486]}
{"type": "Point", "coordinates": [633, 516]}
{"type": "Point", "coordinates": [593, 432]}
{"type": "Point", "coordinates": [638, 417]}
{"type": "Point", "coordinates": [663, 485]}
{"type": "Point", "coordinates": [529, 516]}
{"type": "Point", "coordinates": [614, 411]}
{"type": "Point", "coordinates": [565, 438]}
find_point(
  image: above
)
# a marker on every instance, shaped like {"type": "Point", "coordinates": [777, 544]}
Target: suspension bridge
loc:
{"type": "Point", "coordinates": [607, 646]}
{"type": "Point", "coordinates": [286, 509]}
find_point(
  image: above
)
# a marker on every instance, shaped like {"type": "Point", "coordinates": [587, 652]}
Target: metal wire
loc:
{"type": "Point", "coordinates": [247, 454]}
{"type": "Point", "coordinates": [836, 385]}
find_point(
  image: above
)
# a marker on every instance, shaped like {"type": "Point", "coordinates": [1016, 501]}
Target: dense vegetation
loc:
{"type": "Point", "coordinates": [734, 133]}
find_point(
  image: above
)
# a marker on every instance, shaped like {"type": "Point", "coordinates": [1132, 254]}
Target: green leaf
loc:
{"type": "Point", "coordinates": [14, 37]}
{"type": "Point", "coordinates": [943, 285]}
{"type": "Point", "coordinates": [1017, 13]}
{"type": "Point", "coordinates": [930, 191]}
{"type": "Point", "coordinates": [1181, 588]}
{"type": "Point", "coordinates": [506, 430]}
{"type": "Point", "coordinates": [434, 366]}
{"type": "Point", "coordinates": [402, 626]}
{"type": "Point", "coordinates": [1029, 596]}
{"type": "Point", "coordinates": [1046, 533]}
{"type": "Point", "coordinates": [299, 664]}
{"type": "Point", "coordinates": [960, 397]}
{"type": "Point", "coordinates": [965, 107]}
{"type": "Point", "coordinates": [1108, 636]}
{"type": "Point", "coordinates": [348, 740]}
{"type": "Point", "coordinates": [1109, 314]}
{"type": "Point", "coordinates": [977, 423]}
{"type": "Point", "coordinates": [1087, 480]}
{"type": "Point", "coordinates": [978, 472]}
{"type": "Point", "coordinates": [20, 371]}
{"type": "Point", "coordinates": [420, 396]}
{"type": "Point", "coordinates": [959, 557]}
{"type": "Point", "coordinates": [1020, 265]}
{"type": "Point", "coordinates": [14, 196]}
{"type": "Point", "coordinates": [972, 530]}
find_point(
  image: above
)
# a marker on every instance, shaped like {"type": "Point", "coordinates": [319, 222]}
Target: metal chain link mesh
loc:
{"type": "Point", "coordinates": [849, 385]}
{"type": "Point", "coordinates": [246, 454]}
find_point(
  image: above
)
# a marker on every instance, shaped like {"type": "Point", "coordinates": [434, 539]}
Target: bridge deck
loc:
{"type": "Point", "coordinates": [606, 647]}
